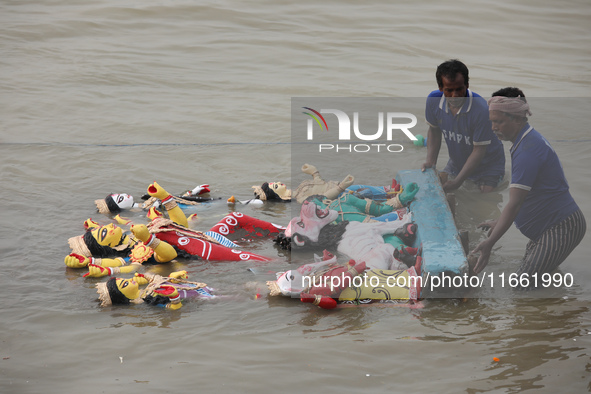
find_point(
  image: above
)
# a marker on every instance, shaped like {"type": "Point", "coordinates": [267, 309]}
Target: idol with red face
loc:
{"type": "Point", "coordinates": [306, 227]}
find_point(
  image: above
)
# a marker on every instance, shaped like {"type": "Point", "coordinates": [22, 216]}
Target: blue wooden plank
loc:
{"type": "Point", "coordinates": [437, 231]}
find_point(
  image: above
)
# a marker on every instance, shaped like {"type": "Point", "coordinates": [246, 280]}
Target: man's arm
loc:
{"type": "Point", "coordinates": [516, 198]}
{"type": "Point", "coordinates": [474, 160]}
{"type": "Point", "coordinates": [433, 147]}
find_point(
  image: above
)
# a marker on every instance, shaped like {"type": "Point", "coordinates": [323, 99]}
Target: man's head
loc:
{"type": "Point", "coordinates": [510, 92]}
{"type": "Point", "coordinates": [453, 80]}
{"type": "Point", "coordinates": [508, 110]}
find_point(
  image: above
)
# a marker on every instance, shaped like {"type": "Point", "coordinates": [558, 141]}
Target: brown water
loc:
{"type": "Point", "coordinates": [108, 96]}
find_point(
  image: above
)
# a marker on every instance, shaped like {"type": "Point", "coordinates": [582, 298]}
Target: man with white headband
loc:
{"type": "Point", "coordinates": [460, 117]}
{"type": "Point", "coordinates": [540, 203]}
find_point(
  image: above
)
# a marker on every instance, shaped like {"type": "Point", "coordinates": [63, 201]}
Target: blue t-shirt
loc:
{"type": "Point", "coordinates": [470, 126]}
{"type": "Point", "coordinates": [535, 167]}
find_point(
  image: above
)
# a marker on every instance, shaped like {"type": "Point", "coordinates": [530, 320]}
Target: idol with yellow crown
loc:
{"type": "Point", "coordinates": [163, 291]}
{"type": "Point", "coordinates": [163, 239]}
{"type": "Point", "coordinates": [109, 246]}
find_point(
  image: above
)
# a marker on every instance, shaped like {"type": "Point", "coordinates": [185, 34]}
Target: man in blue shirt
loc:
{"type": "Point", "coordinates": [460, 116]}
{"type": "Point", "coordinates": [540, 203]}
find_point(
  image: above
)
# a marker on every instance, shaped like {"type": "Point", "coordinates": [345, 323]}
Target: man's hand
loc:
{"type": "Point", "coordinates": [426, 165]}
{"type": "Point", "coordinates": [484, 248]}
{"type": "Point", "coordinates": [451, 185]}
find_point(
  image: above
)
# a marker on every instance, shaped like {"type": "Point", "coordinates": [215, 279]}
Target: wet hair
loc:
{"type": "Point", "coordinates": [331, 234]}
{"type": "Point", "coordinates": [269, 193]}
{"type": "Point", "coordinates": [328, 237]}
{"type": "Point", "coordinates": [98, 250]}
{"type": "Point", "coordinates": [111, 204]}
{"type": "Point", "coordinates": [182, 254]}
{"type": "Point", "coordinates": [450, 69]}
{"type": "Point", "coordinates": [117, 297]}
{"type": "Point", "coordinates": [510, 92]}
{"type": "Point", "coordinates": [407, 233]}
{"type": "Point", "coordinates": [156, 299]}
{"type": "Point", "coordinates": [283, 241]}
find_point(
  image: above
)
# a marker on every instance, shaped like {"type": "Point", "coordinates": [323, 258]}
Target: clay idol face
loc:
{"type": "Point", "coordinates": [128, 287]}
{"type": "Point", "coordinates": [307, 226]}
{"type": "Point", "coordinates": [109, 235]}
{"type": "Point", "coordinates": [278, 188]}
{"type": "Point", "coordinates": [123, 201]}
{"type": "Point", "coordinates": [290, 282]}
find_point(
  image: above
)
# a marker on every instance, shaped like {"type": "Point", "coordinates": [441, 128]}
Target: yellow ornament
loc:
{"type": "Point", "coordinates": [140, 253]}
{"type": "Point", "coordinates": [179, 275]}
{"type": "Point", "coordinates": [122, 220]}
{"type": "Point", "coordinates": [153, 213]}
{"type": "Point", "coordinates": [90, 224]}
